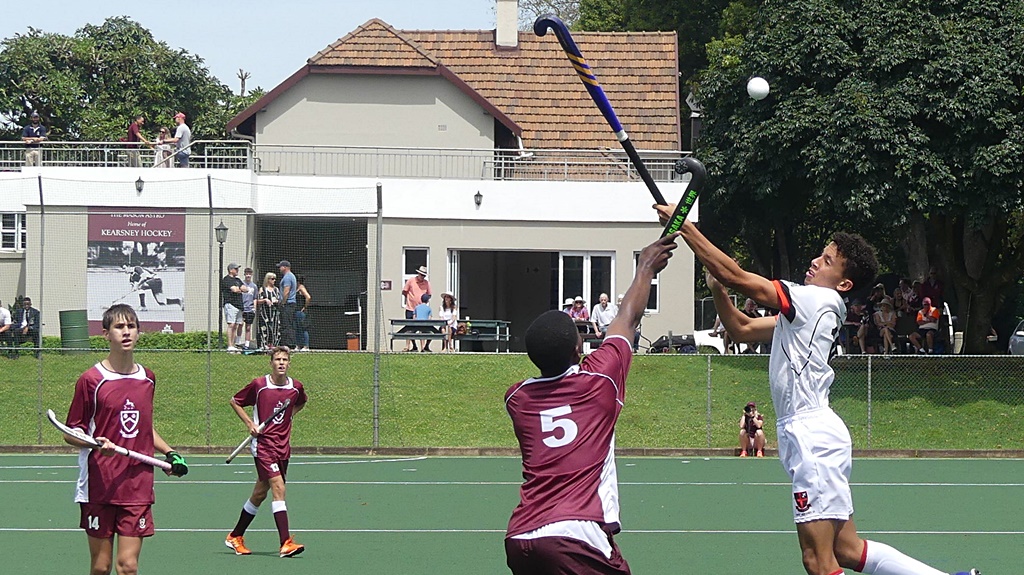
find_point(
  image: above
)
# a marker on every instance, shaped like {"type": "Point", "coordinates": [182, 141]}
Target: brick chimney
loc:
{"type": "Point", "coordinates": [507, 33]}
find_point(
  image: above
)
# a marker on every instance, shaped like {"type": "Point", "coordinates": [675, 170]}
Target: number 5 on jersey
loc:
{"type": "Point", "coordinates": [548, 423]}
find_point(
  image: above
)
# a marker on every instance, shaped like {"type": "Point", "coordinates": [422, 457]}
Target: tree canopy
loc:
{"type": "Point", "coordinates": [904, 121]}
{"type": "Point", "coordinates": [89, 86]}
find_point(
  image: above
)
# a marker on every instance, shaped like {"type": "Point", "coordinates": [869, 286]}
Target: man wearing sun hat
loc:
{"type": "Point", "coordinates": [182, 140]}
{"type": "Point", "coordinates": [413, 291]}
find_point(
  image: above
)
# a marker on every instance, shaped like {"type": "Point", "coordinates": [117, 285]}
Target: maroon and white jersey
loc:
{"type": "Point", "coordinates": [265, 397]}
{"type": "Point", "coordinates": [566, 431]}
{"type": "Point", "coordinates": [119, 407]}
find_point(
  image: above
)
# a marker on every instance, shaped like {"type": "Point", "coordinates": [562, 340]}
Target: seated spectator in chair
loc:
{"type": "Point", "coordinates": [6, 335]}
{"type": "Point", "coordinates": [885, 323]}
{"type": "Point", "coordinates": [567, 305]}
{"type": "Point", "coordinates": [422, 311]}
{"type": "Point", "coordinates": [751, 431]}
{"type": "Point", "coordinates": [578, 311]}
{"type": "Point", "coordinates": [927, 327]}
{"type": "Point", "coordinates": [603, 314]}
{"type": "Point", "coordinates": [26, 327]}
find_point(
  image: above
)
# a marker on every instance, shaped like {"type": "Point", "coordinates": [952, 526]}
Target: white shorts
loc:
{"type": "Point", "coordinates": [232, 314]}
{"type": "Point", "coordinates": [816, 450]}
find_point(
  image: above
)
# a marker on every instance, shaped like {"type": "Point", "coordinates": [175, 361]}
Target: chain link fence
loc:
{"type": "Point", "coordinates": [396, 400]}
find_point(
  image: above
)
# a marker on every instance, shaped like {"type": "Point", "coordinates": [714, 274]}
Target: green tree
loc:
{"type": "Point", "coordinates": [697, 22]}
{"type": "Point", "coordinates": [904, 121]}
{"type": "Point", "coordinates": [91, 85]}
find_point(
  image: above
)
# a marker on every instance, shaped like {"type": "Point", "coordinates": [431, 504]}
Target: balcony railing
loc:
{"type": "Point", "coordinates": [604, 165]}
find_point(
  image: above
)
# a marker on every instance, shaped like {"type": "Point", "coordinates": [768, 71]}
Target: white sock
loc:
{"type": "Point", "coordinates": [250, 508]}
{"type": "Point", "coordinates": [278, 506]}
{"type": "Point", "coordinates": [880, 559]}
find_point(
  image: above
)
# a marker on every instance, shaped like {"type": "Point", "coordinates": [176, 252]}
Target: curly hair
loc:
{"type": "Point", "coordinates": [551, 341]}
{"type": "Point", "coordinates": [861, 261]}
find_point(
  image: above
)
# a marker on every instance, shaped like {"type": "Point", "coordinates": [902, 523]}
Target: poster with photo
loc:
{"type": "Point", "coordinates": [137, 258]}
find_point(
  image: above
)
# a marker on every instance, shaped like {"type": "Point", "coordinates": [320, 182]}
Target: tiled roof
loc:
{"type": "Point", "coordinates": [536, 86]}
{"type": "Point", "coordinates": [532, 89]}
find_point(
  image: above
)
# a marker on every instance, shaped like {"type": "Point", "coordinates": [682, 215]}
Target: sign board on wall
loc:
{"type": "Point", "coordinates": [137, 258]}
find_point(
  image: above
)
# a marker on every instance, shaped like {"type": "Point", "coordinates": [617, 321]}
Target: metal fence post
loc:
{"type": "Point", "coordinates": [707, 413]}
{"type": "Point", "coordinates": [869, 401]}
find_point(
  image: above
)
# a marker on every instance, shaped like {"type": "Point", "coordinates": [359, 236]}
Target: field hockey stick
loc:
{"type": "Point", "coordinates": [263, 424]}
{"type": "Point", "coordinates": [589, 79]}
{"type": "Point", "coordinates": [698, 174]}
{"type": "Point", "coordinates": [93, 444]}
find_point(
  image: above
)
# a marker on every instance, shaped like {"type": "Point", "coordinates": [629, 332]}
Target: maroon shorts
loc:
{"type": "Point", "coordinates": [102, 521]}
{"type": "Point", "coordinates": [267, 468]}
{"type": "Point", "coordinates": [561, 556]}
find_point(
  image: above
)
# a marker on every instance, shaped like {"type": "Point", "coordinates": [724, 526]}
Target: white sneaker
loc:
{"type": "Point", "coordinates": [232, 349]}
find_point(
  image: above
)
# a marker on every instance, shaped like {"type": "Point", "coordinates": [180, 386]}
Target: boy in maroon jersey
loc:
{"type": "Point", "coordinates": [564, 421]}
{"type": "Point", "coordinates": [113, 402]}
{"type": "Point", "coordinates": [271, 448]}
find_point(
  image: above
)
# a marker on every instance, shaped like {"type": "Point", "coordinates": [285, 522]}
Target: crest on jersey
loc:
{"type": "Point", "coordinates": [142, 522]}
{"type": "Point", "coordinates": [129, 420]}
{"type": "Point", "coordinates": [803, 504]}
{"type": "Point", "coordinates": [280, 416]}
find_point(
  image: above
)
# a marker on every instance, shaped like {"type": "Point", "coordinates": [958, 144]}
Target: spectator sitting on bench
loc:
{"type": "Point", "coordinates": [603, 314]}
{"type": "Point", "coordinates": [927, 327]}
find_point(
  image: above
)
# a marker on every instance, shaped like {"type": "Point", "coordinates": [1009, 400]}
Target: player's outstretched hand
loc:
{"type": "Point", "coordinates": [664, 212]}
{"type": "Point", "coordinates": [656, 255]}
{"type": "Point", "coordinates": [178, 465]}
{"type": "Point", "coordinates": [713, 283]}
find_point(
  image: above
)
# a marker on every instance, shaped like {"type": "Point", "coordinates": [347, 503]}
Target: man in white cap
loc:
{"type": "Point", "coordinates": [182, 140]}
{"type": "Point", "coordinates": [413, 291]}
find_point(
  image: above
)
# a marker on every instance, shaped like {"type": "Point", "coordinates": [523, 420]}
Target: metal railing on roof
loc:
{"type": "Point", "coordinates": [603, 165]}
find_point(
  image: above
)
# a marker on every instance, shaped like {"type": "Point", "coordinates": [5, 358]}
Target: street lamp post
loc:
{"type": "Point", "coordinates": [221, 232]}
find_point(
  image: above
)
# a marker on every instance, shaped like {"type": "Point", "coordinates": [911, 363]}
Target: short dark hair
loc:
{"type": "Point", "coordinates": [861, 261]}
{"type": "Point", "coordinates": [119, 311]}
{"type": "Point", "coordinates": [551, 341]}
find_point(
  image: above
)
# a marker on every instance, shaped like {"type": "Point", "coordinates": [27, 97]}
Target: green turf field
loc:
{"type": "Point", "coordinates": [447, 515]}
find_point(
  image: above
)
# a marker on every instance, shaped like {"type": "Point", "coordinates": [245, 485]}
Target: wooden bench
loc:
{"type": "Point", "coordinates": [416, 329]}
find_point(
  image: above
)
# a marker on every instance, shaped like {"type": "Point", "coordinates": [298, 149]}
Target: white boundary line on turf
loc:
{"type": "Point", "coordinates": [457, 531]}
{"type": "Point", "coordinates": [484, 483]}
{"type": "Point", "coordinates": [290, 464]}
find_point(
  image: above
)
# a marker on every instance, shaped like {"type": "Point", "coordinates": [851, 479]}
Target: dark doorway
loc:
{"type": "Point", "coordinates": [331, 255]}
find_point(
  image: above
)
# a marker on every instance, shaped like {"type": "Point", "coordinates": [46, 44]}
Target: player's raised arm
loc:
{"type": "Point", "coordinates": [652, 260]}
{"type": "Point", "coordinates": [740, 327]}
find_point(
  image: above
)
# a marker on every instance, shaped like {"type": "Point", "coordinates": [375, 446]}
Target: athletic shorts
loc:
{"type": "Point", "coordinates": [267, 468]}
{"type": "Point", "coordinates": [558, 555]}
{"type": "Point", "coordinates": [248, 317]}
{"type": "Point", "coordinates": [102, 521]}
{"type": "Point", "coordinates": [232, 314]}
{"type": "Point", "coordinates": [816, 450]}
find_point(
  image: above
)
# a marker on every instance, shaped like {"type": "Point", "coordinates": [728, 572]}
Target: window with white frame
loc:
{"type": "Point", "coordinates": [12, 232]}
{"type": "Point", "coordinates": [652, 300]}
{"type": "Point", "coordinates": [586, 274]}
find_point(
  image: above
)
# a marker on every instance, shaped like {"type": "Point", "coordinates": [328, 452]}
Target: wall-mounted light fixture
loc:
{"type": "Point", "coordinates": [478, 198]}
{"type": "Point", "coordinates": [139, 185]}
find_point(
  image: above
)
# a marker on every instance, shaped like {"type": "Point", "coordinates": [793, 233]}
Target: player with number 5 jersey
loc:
{"type": "Point", "coordinates": [564, 421]}
{"type": "Point", "coordinates": [271, 447]}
